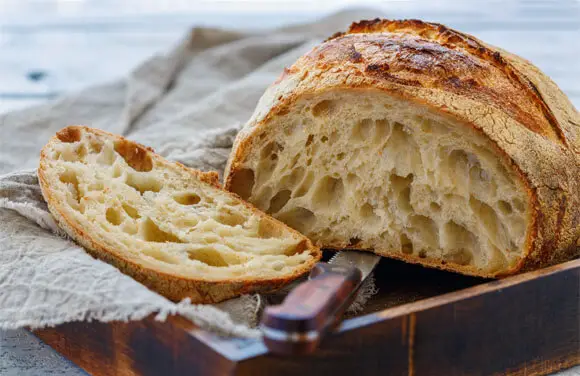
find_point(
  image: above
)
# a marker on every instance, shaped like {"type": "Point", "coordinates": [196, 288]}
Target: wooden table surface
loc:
{"type": "Point", "coordinates": [50, 47]}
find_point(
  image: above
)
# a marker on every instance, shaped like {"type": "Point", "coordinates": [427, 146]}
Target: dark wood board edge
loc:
{"type": "Point", "coordinates": [145, 347]}
{"type": "Point", "coordinates": [523, 325]}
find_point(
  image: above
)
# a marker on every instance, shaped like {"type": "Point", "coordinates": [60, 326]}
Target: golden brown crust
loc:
{"type": "Point", "coordinates": [173, 287]}
{"type": "Point", "coordinates": [136, 155]}
{"type": "Point", "coordinates": [531, 124]}
{"type": "Point", "coordinates": [431, 55]}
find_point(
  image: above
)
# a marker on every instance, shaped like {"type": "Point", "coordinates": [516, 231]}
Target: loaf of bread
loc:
{"type": "Point", "coordinates": [170, 227]}
{"type": "Point", "coordinates": [420, 143]}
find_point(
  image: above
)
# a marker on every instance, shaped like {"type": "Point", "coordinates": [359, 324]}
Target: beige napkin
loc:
{"type": "Point", "coordinates": [188, 105]}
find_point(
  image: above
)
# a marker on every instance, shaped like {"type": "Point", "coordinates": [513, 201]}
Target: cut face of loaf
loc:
{"type": "Point", "coordinates": [368, 171]}
{"type": "Point", "coordinates": [170, 227]}
{"type": "Point", "coordinates": [421, 143]}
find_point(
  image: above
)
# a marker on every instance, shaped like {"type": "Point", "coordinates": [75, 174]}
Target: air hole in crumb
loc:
{"type": "Point", "coordinates": [329, 191]}
{"type": "Point", "coordinates": [406, 244]}
{"type": "Point", "coordinates": [362, 130]}
{"type": "Point", "coordinates": [210, 239]}
{"type": "Point", "coordinates": [278, 201]}
{"type": "Point", "coordinates": [309, 140]}
{"type": "Point", "coordinates": [69, 134]}
{"type": "Point", "coordinates": [399, 183]}
{"type": "Point", "coordinates": [269, 229]}
{"type": "Point", "coordinates": [69, 153]}
{"type": "Point", "coordinates": [504, 207]}
{"type": "Point", "coordinates": [400, 140]}
{"type": "Point", "coordinates": [457, 240]}
{"type": "Point", "coordinates": [485, 214]}
{"type": "Point", "coordinates": [351, 179]}
{"type": "Point", "coordinates": [382, 130]}
{"type": "Point", "coordinates": [404, 200]}
{"type": "Point", "coordinates": [340, 156]}
{"type": "Point", "coordinates": [81, 151]}
{"type": "Point", "coordinates": [323, 108]}
{"type": "Point", "coordinates": [496, 259]}
{"type": "Point", "coordinates": [353, 242]}
{"type": "Point", "coordinates": [299, 218]}
{"type": "Point", "coordinates": [402, 187]}
{"type": "Point", "coordinates": [69, 177]}
{"type": "Point", "coordinates": [188, 223]}
{"type": "Point", "coordinates": [367, 212]}
{"type": "Point", "coordinates": [435, 207]}
{"type": "Point", "coordinates": [135, 155]}
{"type": "Point", "coordinates": [292, 179]}
{"type": "Point", "coordinates": [152, 233]}
{"type": "Point", "coordinates": [305, 185]}
{"type": "Point", "coordinates": [519, 205]}
{"type": "Point", "coordinates": [426, 126]}
{"type": "Point", "coordinates": [422, 253]}
{"type": "Point", "coordinates": [296, 249]}
{"type": "Point", "coordinates": [271, 148]}
{"type": "Point", "coordinates": [480, 180]}
{"type": "Point", "coordinates": [231, 219]}
{"type": "Point", "coordinates": [324, 139]}
{"type": "Point", "coordinates": [313, 150]}
{"type": "Point", "coordinates": [113, 216]}
{"type": "Point", "coordinates": [207, 256]}
{"type": "Point", "coordinates": [265, 169]}
{"type": "Point", "coordinates": [296, 176]}
{"type": "Point", "coordinates": [459, 157]}
{"type": "Point", "coordinates": [96, 146]}
{"type": "Point", "coordinates": [242, 182]}
{"type": "Point", "coordinates": [143, 183]}
{"type": "Point", "coordinates": [131, 211]}
{"type": "Point", "coordinates": [426, 228]}
{"type": "Point", "coordinates": [294, 161]}
{"type": "Point", "coordinates": [263, 197]}
{"type": "Point", "coordinates": [187, 198]}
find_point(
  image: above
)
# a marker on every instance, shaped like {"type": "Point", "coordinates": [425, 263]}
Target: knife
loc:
{"type": "Point", "coordinates": [315, 307]}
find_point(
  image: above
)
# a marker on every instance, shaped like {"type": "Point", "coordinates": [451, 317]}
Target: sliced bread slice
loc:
{"type": "Point", "coordinates": [170, 227]}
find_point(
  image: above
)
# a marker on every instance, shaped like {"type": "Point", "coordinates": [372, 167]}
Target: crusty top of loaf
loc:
{"type": "Point", "coordinates": [502, 95]}
{"type": "Point", "coordinates": [430, 55]}
{"type": "Point", "coordinates": [531, 123]}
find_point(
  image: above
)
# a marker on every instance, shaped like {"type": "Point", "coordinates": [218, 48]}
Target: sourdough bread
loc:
{"type": "Point", "coordinates": [170, 227]}
{"type": "Point", "coordinates": [420, 143]}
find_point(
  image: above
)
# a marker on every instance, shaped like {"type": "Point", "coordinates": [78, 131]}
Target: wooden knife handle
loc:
{"type": "Point", "coordinates": [310, 310]}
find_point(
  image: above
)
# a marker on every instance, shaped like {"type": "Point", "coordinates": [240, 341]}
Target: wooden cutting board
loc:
{"type": "Point", "coordinates": [422, 322]}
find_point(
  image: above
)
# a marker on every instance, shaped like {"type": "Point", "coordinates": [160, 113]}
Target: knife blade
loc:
{"type": "Point", "coordinates": [316, 306]}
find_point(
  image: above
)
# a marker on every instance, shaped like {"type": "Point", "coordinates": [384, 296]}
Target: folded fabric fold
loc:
{"type": "Point", "coordinates": [188, 105]}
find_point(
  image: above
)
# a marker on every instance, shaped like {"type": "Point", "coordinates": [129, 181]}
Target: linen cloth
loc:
{"type": "Point", "coordinates": [188, 104]}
